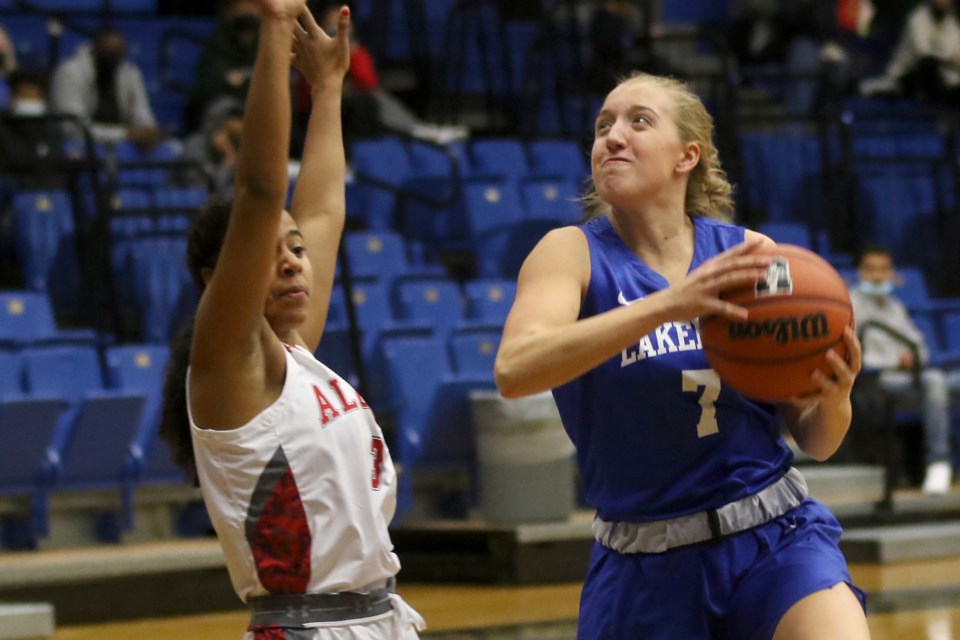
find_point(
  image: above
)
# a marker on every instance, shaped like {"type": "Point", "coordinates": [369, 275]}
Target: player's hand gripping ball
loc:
{"type": "Point", "coordinates": [796, 314]}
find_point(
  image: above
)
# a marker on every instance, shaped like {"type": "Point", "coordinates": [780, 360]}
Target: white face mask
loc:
{"type": "Point", "coordinates": [28, 107]}
{"type": "Point", "coordinates": [876, 289]}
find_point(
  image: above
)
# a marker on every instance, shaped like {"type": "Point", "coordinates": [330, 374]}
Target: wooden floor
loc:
{"type": "Point", "coordinates": [455, 607]}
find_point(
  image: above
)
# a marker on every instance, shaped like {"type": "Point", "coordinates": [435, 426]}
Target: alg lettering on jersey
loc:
{"type": "Point", "coordinates": [328, 411]}
{"type": "Point", "coordinates": [669, 337]}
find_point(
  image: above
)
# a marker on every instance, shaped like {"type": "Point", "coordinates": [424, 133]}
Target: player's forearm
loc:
{"type": "Point", "coordinates": [820, 429]}
{"type": "Point", "coordinates": [546, 358]}
{"type": "Point", "coordinates": [262, 161]}
{"type": "Point", "coordinates": [320, 190]}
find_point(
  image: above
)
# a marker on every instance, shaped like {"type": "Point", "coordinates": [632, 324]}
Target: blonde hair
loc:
{"type": "Point", "coordinates": [709, 193]}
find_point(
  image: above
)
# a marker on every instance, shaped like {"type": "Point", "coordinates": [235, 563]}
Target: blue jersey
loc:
{"type": "Point", "coordinates": [657, 434]}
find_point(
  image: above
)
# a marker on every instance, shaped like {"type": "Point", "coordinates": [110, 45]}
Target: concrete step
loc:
{"type": "Point", "coordinates": [899, 543]}
{"type": "Point", "coordinates": [847, 490]}
{"type": "Point", "coordinates": [26, 621]}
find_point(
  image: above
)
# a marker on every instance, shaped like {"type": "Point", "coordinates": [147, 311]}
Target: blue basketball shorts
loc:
{"type": "Point", "coordinates": [735, 588]}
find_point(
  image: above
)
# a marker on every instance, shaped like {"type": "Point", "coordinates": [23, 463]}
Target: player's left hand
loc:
{"type": "Point", "coordinates": [834, 388]}
{"type": "Point", "coordinates": [316, 55]}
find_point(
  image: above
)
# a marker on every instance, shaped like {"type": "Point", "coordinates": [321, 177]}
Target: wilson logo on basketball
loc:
{"type": "Point", "coordinates": [812, 326]}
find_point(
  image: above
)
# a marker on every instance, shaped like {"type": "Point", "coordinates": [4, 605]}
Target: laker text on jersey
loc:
{"type": "Point", "coordinates": [669, 337]}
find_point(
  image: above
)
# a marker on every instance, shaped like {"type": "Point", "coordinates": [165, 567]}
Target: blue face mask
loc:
{"type": "Point", "coordinates": [876, 289]}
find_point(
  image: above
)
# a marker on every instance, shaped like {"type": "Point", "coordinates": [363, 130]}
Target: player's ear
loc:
{"type": "Point", "coordinates": [690, 158]}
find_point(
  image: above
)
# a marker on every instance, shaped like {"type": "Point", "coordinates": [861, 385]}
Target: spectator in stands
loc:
{"type": "Point", "coordinates": [926, 61]}
{"type": "Point", "coordinates": [31, 144]}
{"type": "Point", "coordinates": [226, 62]}
{"type": "Point", "coordinates": [805, 39]}
{"type": "Point", "coordinates": [290, 460]}
{"type": "Point", "coordinates": [899, 354]}
{"type": "Point", "coordinates": [8, 54]}
{"type": "Point", "coordinates": [215, 146]}
{"type": "Point", "coordinates": [368, 109]}
{"type": "Point", "coordinates": [99, 85]}
{"type": "Point", "coordinates": [618, 43]}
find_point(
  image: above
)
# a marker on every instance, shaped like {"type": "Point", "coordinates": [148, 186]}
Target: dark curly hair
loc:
{"type": "Point", "coordinates": [204, 241]}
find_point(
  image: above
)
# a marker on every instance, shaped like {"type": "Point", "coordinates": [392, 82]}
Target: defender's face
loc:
{"type": "Point", "coordinates": [289, 295]}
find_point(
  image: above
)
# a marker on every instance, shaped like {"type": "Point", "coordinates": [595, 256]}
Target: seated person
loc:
{"type": "Point", "coordinates": [896, 363]}
{"type": "Point", "coordinates": [31, 143]}
{"type": "Point", "coordinates": [926, 61]}
{"type": "Point", "coordinates": [104, 89]}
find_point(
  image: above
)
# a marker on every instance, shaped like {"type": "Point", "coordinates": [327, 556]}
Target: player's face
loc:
{"type": "Point", "coordinates": [876, 268]}
{"type": "Point", "coordinates": [636, 148]}
{"type": "Point", "coordinates": [289, 294]}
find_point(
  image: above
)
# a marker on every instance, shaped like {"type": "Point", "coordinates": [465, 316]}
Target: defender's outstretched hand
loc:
{"type": "Point", "coordinates": [319, 56]}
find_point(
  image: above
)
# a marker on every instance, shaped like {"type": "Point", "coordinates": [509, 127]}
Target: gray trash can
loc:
{"type": "Point", "coordinates": [524, 456]}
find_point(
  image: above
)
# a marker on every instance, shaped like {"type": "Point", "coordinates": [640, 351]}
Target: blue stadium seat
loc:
{"type": "Point", "coordinates": [11, 375]}
{"type": "Point", "coordinates": [95, 445]}
{"type": "Point", "coordinates": [94, 436]}
{"type": "Point", "coordinates": [371, 303]}
{"type": "Point", "coordinates": [30, 39]}
{"type": "Point", "coordinates": [493, 211]}
{"type": "Point", "coordinates": [437, 303]}
{"type": "Point", "coordinates": [489, 299]}
{"type": "Point", "coordinates": [434, 425]}
{"type": "Point", "coordinates": [26, 318]}
{"type": "Point", "coordinates": [898, 208]}
{"type": "Point", "coordinates": [383, 160]}
{"type": "Point", "coordinates": [911, 288]}
{"type": "Point", "coordinates": [950, 326]}
{"type": "Point", "coordinates": [376, 254]}
{"type": "Point", "coordinates": [474, 350]}
{"type": "Point", "coordinates": [63, 371]}
{"type": "Point", "coordinates": [558, 158]}
{"type": "Point", "coordinates": [146, 168]}
{"type": "Point", "coordinates": [158, 466]}
{"type": "Point", "coordinates": [788, 232]}
{"type": "Point", "coordinates": [27, 427]}
{"type": "Point", "coordinates": [44, 230]}
{"type": "Point", "coordinates": [160, 276]}
{"type": "Point", "coordinates": [551, 199]}
{"type": "Point", "coordinates": [139, 368]}
{"type": "Point", "coordinates": [498, 158]}
{"type": "Point", "coordinates": [782, 174]}
{"type": "Point", "coordinates": [336, 351]}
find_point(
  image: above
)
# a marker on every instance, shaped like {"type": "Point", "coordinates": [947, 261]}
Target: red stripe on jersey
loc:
{"type": "Point", "coordinates": [268, 633]}
{"type": "Point", "coordinates": [281, 540]}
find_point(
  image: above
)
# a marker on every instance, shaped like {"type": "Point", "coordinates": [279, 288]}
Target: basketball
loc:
{"type": "Point", "coordinates": [796, 314]}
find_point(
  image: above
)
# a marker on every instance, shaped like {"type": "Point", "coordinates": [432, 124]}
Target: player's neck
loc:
{"type": "Point", "coordinates": [660, 240]}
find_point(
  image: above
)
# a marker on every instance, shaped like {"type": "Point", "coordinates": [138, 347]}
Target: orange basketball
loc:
{"type": "Point", "coordinates": [796, 314]}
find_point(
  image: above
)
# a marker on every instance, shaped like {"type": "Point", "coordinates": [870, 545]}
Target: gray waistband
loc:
{"type": "Point", "coordinates": [659, 536]}
{"type": "Point", "coordinates": [299, 610]}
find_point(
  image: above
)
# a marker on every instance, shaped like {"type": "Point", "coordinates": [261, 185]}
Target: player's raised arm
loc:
{"type": "Point", "coordinates": [231, 310]}
{"type": "Point", "coordinates": [319, 196]}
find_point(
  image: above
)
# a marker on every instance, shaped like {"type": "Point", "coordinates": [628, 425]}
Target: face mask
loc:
{"type": "Point", "coordinates": [876, 289]}
{"type": "Point", "coordinates": [28, 107]}
{"type": "Point", "coordinates": [107, 62]}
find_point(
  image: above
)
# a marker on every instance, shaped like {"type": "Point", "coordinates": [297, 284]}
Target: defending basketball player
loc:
{"type": "Point", "coordinates": [703, 528]}
{"type": "Point", "coordinates": [290, 459]}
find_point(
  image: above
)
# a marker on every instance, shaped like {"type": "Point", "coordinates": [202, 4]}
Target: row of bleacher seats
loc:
{"type": "Point", "coordinates": [77, 417]}
{"type": "Point", "coordinates": [869, 178]}
{"type": "Point", "coordinates": [425, 36]}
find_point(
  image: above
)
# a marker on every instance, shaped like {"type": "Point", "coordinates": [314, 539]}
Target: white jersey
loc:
{"type": "Point", "coordinates": [301, 495]}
